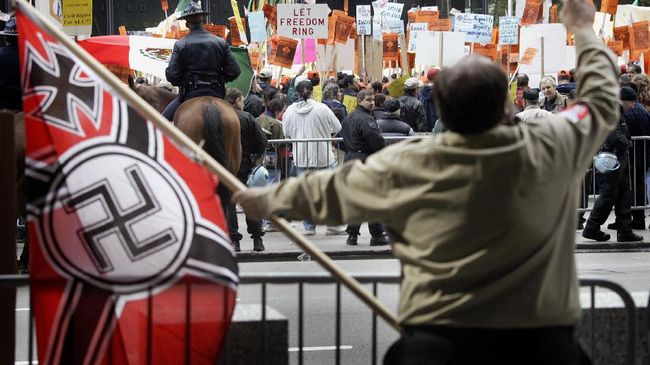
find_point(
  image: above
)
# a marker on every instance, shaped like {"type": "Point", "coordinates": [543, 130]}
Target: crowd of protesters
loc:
{"type": "Point", "coordinates": [371, 126]}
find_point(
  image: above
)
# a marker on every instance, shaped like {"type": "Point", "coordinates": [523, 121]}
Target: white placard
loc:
{"type": "Point", "coordinates": [628, 14]}
{"type": "Point", "coordinates": [363, 20]}
{"type": "Point", "coordinates": [390, 25]}
{"type": "Point", "coordinates": [414, 29]}
{"type": "Point", "coordinates": [603, 25]}
{"type": "Point", "coordinates": [508, 30]}
{"type": "Point", "coordinates": [393, 10]}
{"type": "Point", "coordinates": [477, 27]}
{"type": "Point", "coordinates": [554, 37]}
{"type": "Point", "coordinates": [302, 21]}
{"type": "Point", "coordinates": [428, 48]}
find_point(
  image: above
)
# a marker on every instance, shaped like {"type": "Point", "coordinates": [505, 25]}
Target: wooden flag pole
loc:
{"type": "Point", "coordinates": [230, 181]}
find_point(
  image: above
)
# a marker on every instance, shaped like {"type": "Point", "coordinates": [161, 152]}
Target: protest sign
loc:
{"type": "Point", "coordinates": [477, 27]}
{"type": "Point", "coordinates": [427, 16]}
{"type": "Point", "coordinates": [616, 47]}
{"type": "Point", "coordinates": [344, 59]}
{"type": "Point", "coordinates": [390, 25]}
{"type": "Point", "coordinates": [486, 50]}
{"type": "Point", "coordinates": [376, 21]}
{"type": "Point", "coordinates": [343, 28]}
{"type": "Point", "coordinates": [77, 16]}
{"type": "Point", "coordinates": [270, 12]}
{"type": "Point", "coordinates": [303, 20]}
{"type": "Point", "coordinates": [393, 10]}
{"type": "Point", "coordinates": [396, 88]}
{"type": "Point", "coordinates": [628, 14]}
{"type": "Point", "coordinates": [363, 20]}
{"type": "Point", "coordinates": [439, 48]}
{"type": "Point", "coordinates": [235, 35]}
{"type": "Point", "coordinates": [603, 25]}
{"type": "Point", "coordinates": [390, 47]}
{"type": "Point", "coordinates": [528, 56]}
{"type": "Point", "coordinates": [216, 29]}
{"type": "Point", "coordinates": [350, 103]}
{"type": "Point", "coordinates": [257, 25]}
{"type": "Point", "coordinates": [414, 28]}
{"type": "Point", "coordinates": [317, 93]}
{"type": "Point", "coordinates": [441, 25]}
{"type": "Point", "coordinates": [550, 41]}
{"type": "Point", "coordinates": [639, 38]}
{"type": "Point", "coordinates": [306, 47]}
{"type": "Point", "coordinates": [623, 34]}
{"type": "Point", "coordinates": [284, 52]}
{"type": "Point", "coordinates": [508, 30]}
{"type": "Point", "coordinates": [531, 12]}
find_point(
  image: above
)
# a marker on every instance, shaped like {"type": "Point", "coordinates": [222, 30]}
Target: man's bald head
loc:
{"type": "Point", "coordinates": [472, 95]}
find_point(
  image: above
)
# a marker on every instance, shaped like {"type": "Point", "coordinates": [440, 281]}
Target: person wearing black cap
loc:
{"type": "Point", "coordinates": [532, 110]}
{"type": "Point", "coordinates": [201, 63]}
{"type": "Point", "coordinates": [638, 121]}
{"type": "Point", "coordinates": [11, 95]}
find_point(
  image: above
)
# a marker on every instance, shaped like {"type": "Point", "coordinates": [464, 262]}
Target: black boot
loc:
{"type": "Point", "coordinates": [236, 246]}
{"type": "Point", "coordinates": [378, 241]}
{"type": "Point", "coordinates": [595, 234]}
{"type": "Point", "coordinates": [257, 244]}
{"type": "Point", "coordinates": [613, 226]}
{"type": "Point", "coordinates": [352, 240]}
{"type": "Point", "coordinates": [628, 236]}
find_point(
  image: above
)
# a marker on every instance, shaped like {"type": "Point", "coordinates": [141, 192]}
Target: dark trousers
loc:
{"type": "Point", "coordinates": [434, 345]}
{"type": "Point", "coordinates": [639, 198]}
{"type": "Point", "coordinates": [376, 229]}
{"type": "Point", "coordinates": [613, 191]}
{"type": "Point", "coordinates": [253, 227]}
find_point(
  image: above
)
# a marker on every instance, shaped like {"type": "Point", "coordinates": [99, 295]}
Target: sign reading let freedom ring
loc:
{"type": "Point", "coordinates": [302, 20]}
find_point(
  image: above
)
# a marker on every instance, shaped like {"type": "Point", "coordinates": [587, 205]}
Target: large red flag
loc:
{"type": "Point", "coordinates": [131, 263]}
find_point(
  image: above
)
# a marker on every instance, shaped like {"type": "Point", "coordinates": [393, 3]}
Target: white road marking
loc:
{"type": "Point", "coordinates": [22, 309]}
{"type": "Point", "coordinates": [320, 348]}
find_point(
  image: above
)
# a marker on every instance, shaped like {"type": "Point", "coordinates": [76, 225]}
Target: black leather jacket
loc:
{"type": "Point", "coordinates": [201, 60]}
{"type": "Point", "coordinates": [361, 135]}
{"type": "Point", "coordinates": [253, 142]}
{"type": "Point", "coordinates": [390, 125]}
{"type": "Point", "coordinates": [413, 113]}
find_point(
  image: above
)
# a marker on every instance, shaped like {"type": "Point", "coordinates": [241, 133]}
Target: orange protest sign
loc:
{"type": "Point", "coordinates": [216, 29]}
{"type": "Point", "coordinates": [271, 14]}
{"type": "Point", "coordinates": [411, 16]}
{"type": "Point", "coordinates": [616, 47]}
{"type": "Point", "coordinates": [255, 60]}
{"type": "Point", "coordinates": [426, 16]}
{"type": "Point", "coordinates": [284, 52]}
{"type": "Point", "coordinates": [391, 52]}
{"type": "Point", "coordinates": [608, 6]}
{"type": "Point", "coordinates": [440, 25]}
{"type": "Point", "coordinates": [343, 28]}
{"type": "Point", "coordinates": [531, 12]}
{"type": "Point", "coordinates": [122, 30]}
{"type": "Point", "coordinates": [495, 35]}
{"type": "Point", "coordinates": [487, 50]}
{"type": "Point", "coordinates": [235, 37]}
{"type": "Point", "coordinates": [623, 34]}
{"type": "Point", "coordinates": [639, 40]}
{"type": "Point", "coordinates": [528, 56]}
{"type": "Point", "coordinates": [337, 12]}
{"type": "Point", "coordinates": [164, 4]}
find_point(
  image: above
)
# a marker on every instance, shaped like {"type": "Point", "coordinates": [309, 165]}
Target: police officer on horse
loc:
{"type": "Point", "coordinates": [201, 63]}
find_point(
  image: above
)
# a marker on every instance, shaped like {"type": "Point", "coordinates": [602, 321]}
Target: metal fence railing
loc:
{"type": "Point", "coordinates": [286, 157]}
{"type": "Point", "coordinates": [297, 328]}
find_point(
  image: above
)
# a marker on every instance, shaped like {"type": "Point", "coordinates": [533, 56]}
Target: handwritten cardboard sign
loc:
{"type": "Point", "coordinates": [414, 29]}
{"type": "Point", "coordinates": [392, 10]}
{"type": "Point", "coordinates": [426, 16]}
{"type": "Point", "coordinates": [302, 20]}
{"type": "Point", "coordinates": [639, 41]}
{"type": "Point", "coordinates": [477, 27]}
{"type": "Point", "coordinates": [623, 34]}
{"type": "Point", "coordinates": [508, 30]}
{"type": "Point", "coordinates": [343, 28]}
{"type": "Point", "coordinates": [350, 103]}
{"type": "Point", "coordinates": [391, 25]}
{"type": "Point", "coordinates": [363, 20]}
{"type": "Point", "coordinates": [235, 36]}
{"type": "Point", "coordinates": [396, 88]}
{"type": "Point", "coordinates": [608, 6]}
{"type": "Point", "coordinates": [440, 25]}
{"type": "Point", "coordinates": [486, 50]}
{"type": "Point", "coordinates": [284, 52]}
{"type": "Point", "coordinates": [529, 54]}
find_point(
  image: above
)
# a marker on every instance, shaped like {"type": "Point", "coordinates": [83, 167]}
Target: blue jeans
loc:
{"type": "Point", "coordinates": [303, 170]}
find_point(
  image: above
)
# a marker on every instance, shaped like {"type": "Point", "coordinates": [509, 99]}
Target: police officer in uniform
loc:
{"type": "Point", "coordinates": [201, 63]}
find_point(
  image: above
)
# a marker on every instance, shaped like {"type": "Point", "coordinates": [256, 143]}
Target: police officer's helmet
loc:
{"type": "Point", "coordinates": [606, 162]}
{"type": "Point", "coordinates": [11, 29]}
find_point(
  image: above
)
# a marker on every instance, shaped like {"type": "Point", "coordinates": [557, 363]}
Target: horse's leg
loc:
{"type": "Point", "coordinates": [232, 136]}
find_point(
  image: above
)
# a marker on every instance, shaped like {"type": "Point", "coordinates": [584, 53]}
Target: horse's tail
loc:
{"type": "Point", "coordinates": [213, 133]}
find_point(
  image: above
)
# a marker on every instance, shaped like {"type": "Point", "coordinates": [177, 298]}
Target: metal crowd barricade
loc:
{"type": "Point", "coordinates": [301, 280]}
{"type": "Point", "coordinates": [283, 154]}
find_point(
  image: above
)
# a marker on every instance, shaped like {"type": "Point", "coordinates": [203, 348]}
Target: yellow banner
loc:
{"type": "Point", "coordinates": [240, 26]}
{"type": "Point", "coordinates": [318, 93]}
{"type": "Point", "coordinates": [77, 13]}
{"type": "Point", "coordinates": [350, 103]}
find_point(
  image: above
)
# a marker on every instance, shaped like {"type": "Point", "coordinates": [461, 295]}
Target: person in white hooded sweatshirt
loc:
{"type": "Point", "coordinates": [309, 119]}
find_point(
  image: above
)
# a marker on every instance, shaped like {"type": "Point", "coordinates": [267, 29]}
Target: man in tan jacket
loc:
{"type": "Point", "coordinates": [482, 217]}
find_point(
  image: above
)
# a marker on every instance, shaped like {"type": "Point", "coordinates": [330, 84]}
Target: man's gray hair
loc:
{"type": "Point", "coordinates": [549, 79]}
{"type": "Point", "coordinates": [330, 91]}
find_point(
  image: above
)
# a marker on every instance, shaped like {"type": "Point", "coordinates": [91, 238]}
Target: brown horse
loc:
{"type": "Point", "coordinates": [208, 121]}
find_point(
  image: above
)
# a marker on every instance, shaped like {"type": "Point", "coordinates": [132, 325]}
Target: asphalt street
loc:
{"type": "Point", "coordinates": [629, 269]}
